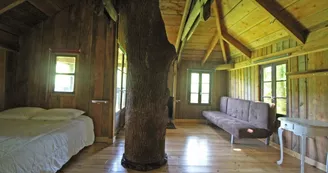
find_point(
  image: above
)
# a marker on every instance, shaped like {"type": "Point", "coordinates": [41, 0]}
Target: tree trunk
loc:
{"type": "Point", "coordinates": [149, 57]}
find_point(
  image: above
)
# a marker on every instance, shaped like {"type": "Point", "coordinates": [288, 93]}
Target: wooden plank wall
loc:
{"type": "Point", "coordinates": [78, 27]}
{"type": "Point", "coordinates": [219, 88]}
{"type": "Point", "coordinates": [3, 57]}
{"type": "Point", "coordinates": [307, 96]}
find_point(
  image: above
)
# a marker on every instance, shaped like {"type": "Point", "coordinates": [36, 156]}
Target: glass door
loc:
{"type": "Point", "coordinates": [274, 86]}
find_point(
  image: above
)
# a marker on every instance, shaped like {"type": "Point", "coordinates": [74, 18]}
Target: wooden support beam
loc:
{"type": "Point", "coordinates": [193, 16]}
{"type": "Point", "coordinates": [182, 24]}
{"type": "Point", "coordinates": [219, 30]}
{"type": "Point", "coordinates": [44, 6]}
{"type": "Point", "coordinates": [226, 36]}
{"type": "Point", "coordinates": [211, 47]}
{"type": "Point", "coordinates": [6, 7]}
{"type": "Point", "coordinates": [232, 41]}
{"type": "Point", "coordinates": [110, 9]}
{"type": "Point", "coordinates": [317, 42]}
{"type": "Point", "coordinates": [225, 67]}
{"type": "Point", "coordinates": [289, 24]}
{"type": "Point", "coordinates": [180, 51]}
{"type": "Point", "coordinates": [8, 29]}
{"type": "Point", "coordinates": [9, 41]}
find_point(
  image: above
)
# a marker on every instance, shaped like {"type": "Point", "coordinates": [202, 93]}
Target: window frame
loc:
{"type": "Point", "coordinates": [54, 57]}
{"type": "Point", "coordinates": [274, 84]}
{"type": "Point", "coordinates": [200, 72]}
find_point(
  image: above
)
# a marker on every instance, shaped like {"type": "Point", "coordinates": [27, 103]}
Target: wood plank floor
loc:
{"type": "Point", "coordinates": [192, 148]}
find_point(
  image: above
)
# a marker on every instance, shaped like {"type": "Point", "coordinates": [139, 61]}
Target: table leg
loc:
{"type": "Point", "coordinates": [303, 149]}
{"type": "Point", "coordinates": [279, 162]}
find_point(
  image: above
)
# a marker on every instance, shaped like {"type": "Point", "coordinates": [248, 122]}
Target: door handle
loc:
{"type": "Point", "coordinates": [99, 101]}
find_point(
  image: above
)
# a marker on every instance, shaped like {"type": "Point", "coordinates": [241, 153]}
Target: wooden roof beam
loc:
{"type": "Point", "coordinates": [225, 36]}
{"type": "Point", "coordinates": [44, 6]}
{"type": "Point", "coordinates": [6, 7]}
{"type": "Point", "coordinates": [219, 30]}
{"type": "Point", "coordinates": [182, 23]}
{"type": "Point", "coordinates": [289, 24]}
{"type": "Point", "coordinates": [211, 47]}
{"type": "Point", "coordinates": [110, 9]}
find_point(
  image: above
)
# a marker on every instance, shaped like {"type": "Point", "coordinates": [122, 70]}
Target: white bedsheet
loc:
{"type": "Point", "coordinates": [33, 146]}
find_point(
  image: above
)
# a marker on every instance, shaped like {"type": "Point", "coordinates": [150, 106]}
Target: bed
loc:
{"type": "Point", "coordinates": [30, 146]}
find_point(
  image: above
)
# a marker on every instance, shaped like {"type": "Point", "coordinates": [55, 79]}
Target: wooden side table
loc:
{"type": "Point", "coordinates": [301, 127]}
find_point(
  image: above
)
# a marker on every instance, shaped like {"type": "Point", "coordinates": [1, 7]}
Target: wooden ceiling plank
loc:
{"type": "Point", "coordinates": [10, 6]}
{"type": "Point", "coordinates": [219, 30]}
{"type": "Point", "coordinates": [43, 6]}
{"type": "Point", "coordinates": [291, 26]}
{"type": "Point", "coordinates": [211, 47]}
{"type": "Point", "coordinates": [8, 29]}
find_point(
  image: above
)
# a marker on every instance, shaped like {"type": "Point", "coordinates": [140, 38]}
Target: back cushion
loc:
{"type": "Point", "coordinates": [223, 104]}
{"type": "Point", "coordinates": [259, 114]}
{"type": "Point", "coordinates": [238, 108]}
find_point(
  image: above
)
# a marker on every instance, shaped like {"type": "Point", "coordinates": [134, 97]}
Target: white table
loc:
{"type": "Point", "coordinates": [300, 127]}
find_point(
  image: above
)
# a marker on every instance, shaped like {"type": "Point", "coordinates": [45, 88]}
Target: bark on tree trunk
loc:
{"type": "Point", "coordinates": [149, 57]}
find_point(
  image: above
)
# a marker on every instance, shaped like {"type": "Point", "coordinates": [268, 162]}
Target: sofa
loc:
{"type": "Point", "coordinates": [243, 118]}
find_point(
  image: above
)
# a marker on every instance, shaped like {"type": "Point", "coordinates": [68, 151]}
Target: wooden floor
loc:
{"type": "Point", "coordinates": [192, 148]}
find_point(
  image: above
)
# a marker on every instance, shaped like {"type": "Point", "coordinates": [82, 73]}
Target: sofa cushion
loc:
{"type": "Point", "coordinates": [223, 104]}
{"type": "Point", "coordinates": [238, 109]}
{"type": "Point", "coordinates": [214, 116]}
{"type": "Point", "coordinates": [259, 114]}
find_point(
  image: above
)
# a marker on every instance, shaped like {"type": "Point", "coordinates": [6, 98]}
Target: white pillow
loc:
{"type": "Point", "coordinates": [58, 114]}
{"type": "Point", "coordinates": [20, 113]}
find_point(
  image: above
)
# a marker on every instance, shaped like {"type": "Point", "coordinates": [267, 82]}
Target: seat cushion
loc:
{"type": "Point", "coordinates": [259, 115]}
{"type": "Point", "coordinates": [238, 109]}
{"type": "Point", "coordinates": [223, 104]}
{"type": "Point", "coordinates": [214, 116]}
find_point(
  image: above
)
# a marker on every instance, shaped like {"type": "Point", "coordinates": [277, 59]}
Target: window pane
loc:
{"type": "Point", "coordinates": [267, 74]}
{"type": "Point", "coordinates": [267, 100]}
{"type": "Point", "coordinates": [125, 64]}
{"type": "Point", "coordinates": [206, 88]}
{"type": "Point", "coordinates": [281, 89]}
{"type": "Point", "coordinates": [193, 98]}
{"type": "Point", "coordinates": [123, 98]}
{"type": "Point", "coordinates": [120, 59]}
{"type": "Point", "coordinates": [205, 98]}
{"type": "Point", "coordinates": [118, 78]}
{"type": "Point", "coordinates": [194, 88]}
{"type": "Point", "coordinates": [118, 100]}
{"type": "Point", "coordinates": [281, 106]}
{"type": "Point", "coordinates": [267, 89]}
{"type": "Point", "coordinates": [64, 83]}
{"type": "Point", "coordinates": [65, 64]}
{"type": "Point", "coordinates": [195, 78]}
{"type": "Point", "coordinates": [124, 81]}
{"type": "Point", "coordinates": [205, 78]}
{"type": "Point", "coordinates": [281, 72]}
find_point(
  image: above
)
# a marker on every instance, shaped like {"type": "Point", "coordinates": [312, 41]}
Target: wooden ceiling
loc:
{"type": "Point", "coordinates": [249, 22]}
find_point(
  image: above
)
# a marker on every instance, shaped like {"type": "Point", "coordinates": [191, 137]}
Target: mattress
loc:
{"type": "Point", "coordinates": [34, 146]}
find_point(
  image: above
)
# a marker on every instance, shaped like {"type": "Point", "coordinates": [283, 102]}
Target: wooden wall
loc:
{"type": "Point", "coordinates": [219, 88]}
{"type": "Point", "coordinates": [79, 27]}
{"type": "Point", "coordinates": [2, 78]}
{"type": "Point", "coordinates": [307, 96]}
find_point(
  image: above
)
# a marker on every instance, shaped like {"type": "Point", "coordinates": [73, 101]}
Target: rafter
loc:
{"type": "Point", "coordinates": [7, 7]}
{"type": "Point", "coordinates": [43, 6]}
{"type": "Point", "coordinates": [226, 36]}
{"type": "Point", "coordinates": [219, 30]}
{"type": "Point", "coordinates": [183, 23]}
{"type": "Point", "coordinates": [211, 47]}
{"type": "Point", "coordinates": [289, 24]}
{"type": "Point", "coordinates": [179, 45]}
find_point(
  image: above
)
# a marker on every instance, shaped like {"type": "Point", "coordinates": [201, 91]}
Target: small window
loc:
{"type": "Point", "coordinates": [199, 87]}
{"type": "Point", "coordinates": [121, 79]}
{"type": "Point", "coordinates": [65, 74]}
